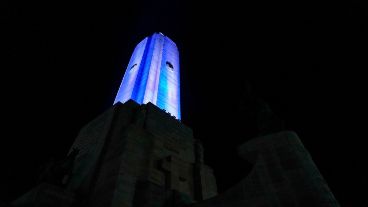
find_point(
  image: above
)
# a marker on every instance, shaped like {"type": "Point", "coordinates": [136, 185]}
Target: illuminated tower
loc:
{"type": "Point", "coordinates": [137, 155]}
{"type": "Point", "coordinates": [153, 75]}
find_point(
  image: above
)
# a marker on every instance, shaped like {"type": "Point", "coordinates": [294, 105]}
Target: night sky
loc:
{"type": "Point", "coordinates": [64, 61]}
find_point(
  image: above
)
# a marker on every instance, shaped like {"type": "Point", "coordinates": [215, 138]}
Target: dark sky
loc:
{"type": "Point", "coordinates": [64, 61]}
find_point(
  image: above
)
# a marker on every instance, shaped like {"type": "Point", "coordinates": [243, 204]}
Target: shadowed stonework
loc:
{"type": "Point", "coordinates": [283, 174]}
{"type": "Point", "coordinates": [138, 150]}
{"type": "Point", "coordinates": [140, 156]}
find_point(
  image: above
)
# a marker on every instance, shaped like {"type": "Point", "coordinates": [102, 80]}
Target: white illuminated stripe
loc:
{"type": "Point", "coordinates": [151, 88]}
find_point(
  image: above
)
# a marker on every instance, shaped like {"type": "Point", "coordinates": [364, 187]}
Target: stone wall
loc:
{"type": "Point", "coordinates": [283, 174]}
{"type": "Point", "coordinates": [138, 155]}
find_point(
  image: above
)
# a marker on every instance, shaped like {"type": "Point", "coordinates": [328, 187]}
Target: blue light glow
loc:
{"type": "Point", "coordinates": [153, 75]}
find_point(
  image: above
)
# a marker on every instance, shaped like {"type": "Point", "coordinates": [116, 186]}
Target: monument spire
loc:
{"type": "Point", "coordinates": [153, 75]}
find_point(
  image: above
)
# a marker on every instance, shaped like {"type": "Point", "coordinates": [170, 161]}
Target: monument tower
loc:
{"type": "Point", "coordinates": [153, 75]}
{"type": "Point", "coordinates": [138, 154]}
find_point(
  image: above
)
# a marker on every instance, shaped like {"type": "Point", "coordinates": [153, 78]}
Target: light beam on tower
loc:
{"type": "Point", "coordinates": [153, 75]}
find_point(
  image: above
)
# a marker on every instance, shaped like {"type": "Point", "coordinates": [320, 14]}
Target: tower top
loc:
{"type": "Point", "coordinates": [153, 75]}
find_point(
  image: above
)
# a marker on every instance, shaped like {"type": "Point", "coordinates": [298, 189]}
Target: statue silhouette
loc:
{"type": "Point", "coordinates": [266, 121]}
{"type": "Point", "coordinates": [58, 172]}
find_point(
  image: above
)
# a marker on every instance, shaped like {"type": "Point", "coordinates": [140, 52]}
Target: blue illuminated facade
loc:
{"type": "Point", "coordinates": [153, 75]}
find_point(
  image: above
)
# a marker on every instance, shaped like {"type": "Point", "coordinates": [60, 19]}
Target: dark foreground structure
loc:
{"type": "Point", "coordinates": [140, 156]}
